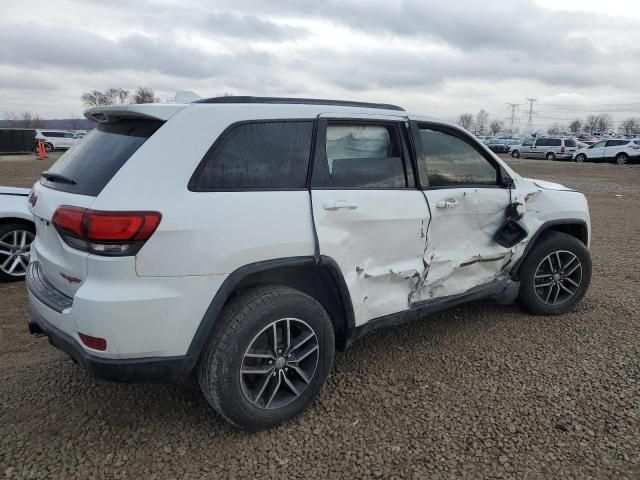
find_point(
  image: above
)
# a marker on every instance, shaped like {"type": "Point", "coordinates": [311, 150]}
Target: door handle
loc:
{"type": "Point", "coordinates": [339, 204]}
{"type": "Point", "coordinates": [448, 203]}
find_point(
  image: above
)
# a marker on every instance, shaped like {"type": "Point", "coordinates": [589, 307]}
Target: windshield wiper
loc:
{"type": "Point", "coordinates": [56, 177]}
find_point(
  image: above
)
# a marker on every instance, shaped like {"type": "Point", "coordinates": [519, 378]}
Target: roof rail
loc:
{"type": "Point", "coordinates": [298, 101]}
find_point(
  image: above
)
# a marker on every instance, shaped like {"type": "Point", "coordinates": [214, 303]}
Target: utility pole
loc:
{"type": "Point", "coordinates": [531, 112]}
{"type": "Point", "coordinates": [513, 107]}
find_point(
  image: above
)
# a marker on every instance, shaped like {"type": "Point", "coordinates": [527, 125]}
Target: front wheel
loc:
{"type": "Point", "coordinates": [48, 147]}
{"type": "Point", "coordinates": [581, 157]}
{"type": "Point", "coordinates": [555, 275]}
{"type": "Point", "coordinates": [515, 154]}
{"type": "Point", "coordinates": [269, 356]}
{"type": "Point", "coordinates": [15, 244]}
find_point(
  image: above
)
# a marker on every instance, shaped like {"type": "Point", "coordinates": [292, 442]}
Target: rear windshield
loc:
{"type": "Point", "coordinates": [93, 161]}
{"type": "Point", "coordinates": [569, 142]}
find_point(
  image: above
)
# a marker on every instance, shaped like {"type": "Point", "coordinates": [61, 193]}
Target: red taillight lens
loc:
{"type": "Point", "coordinates": [96, 343]}
{"type": "Point", "coordinates": [70, 219]}
{"type": "Point", "coordinates": [561, 149]}
{"type": "Point", "coordinates": [120, 226]}
{"type": "Point", "coordinates": [103, 232]}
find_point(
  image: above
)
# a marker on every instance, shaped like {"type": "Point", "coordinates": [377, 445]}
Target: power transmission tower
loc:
{"type": "Point", "coordinates": [531, 113]}
{"type": "Point", "coordinates": [512, 118]}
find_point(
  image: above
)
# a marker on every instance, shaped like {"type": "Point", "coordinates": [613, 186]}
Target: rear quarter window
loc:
{"type": "Point", "coordinates": [93, 162]}
{"type": "Point", "coordinates": [257, 156]}
{"type": "Point", "coordinates": [569, 143]}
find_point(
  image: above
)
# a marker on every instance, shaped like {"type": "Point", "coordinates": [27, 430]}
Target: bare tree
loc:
{"type": "Point", "coordinates": [575, 125]}
{"type": "Point", "coordinates": [604, 122]}
{"type": "Point", "coordinates": [25, 120]}
{"type": "Point", "coordinates": [555, 129]}
{"type": "Point", "coordinates": [630, 126]}
{"type": "Point", "coordinates": [496, 126]}
{"type": "Point", "coordinates": [465, 120]}
{"type": "Point", "coordinates": [144, 95]}
{"type": "Point", "coordinates": [482, 122]}
{"type": "Point", "coordinates": [591, 123]}
{"type": "Point", "coordinates": [111, 96]}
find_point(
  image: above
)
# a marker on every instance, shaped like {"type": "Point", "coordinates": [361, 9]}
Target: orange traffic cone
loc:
{"type": "Point", "coordinates": [42, 153]}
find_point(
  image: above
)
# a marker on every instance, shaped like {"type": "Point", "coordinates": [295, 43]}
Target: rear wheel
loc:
{"type": "Point", "coordinates": [515, 154]}
{"type": "Point", "coordinates": [555, 275]}
{"type": "Point", "coordinates": [551, 156]}
{"type": "Point", "coordinates": [622, 159]}
{"type": "Point", "coordinates": [269, 357]}
{"type": "Point", "coordinates": [15, 244]}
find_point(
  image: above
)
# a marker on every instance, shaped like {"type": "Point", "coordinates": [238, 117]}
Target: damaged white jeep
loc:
{"type": "Point", "coordinates": [246, 239]}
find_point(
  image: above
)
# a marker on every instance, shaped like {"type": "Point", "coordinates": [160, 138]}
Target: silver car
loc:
{"type": "Point", "coordinates": [551, 148]}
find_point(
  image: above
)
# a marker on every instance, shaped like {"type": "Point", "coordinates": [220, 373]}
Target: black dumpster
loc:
{"type": "Point", "coordinates": [17, 140]}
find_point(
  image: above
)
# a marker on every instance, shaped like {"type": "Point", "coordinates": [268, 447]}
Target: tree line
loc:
{"type": "Point", "coordinates": [480, 123]}
{"type": "Point", "coordinates": [603, 122]}
{"type": "Point", "coordinates": [118, 96]}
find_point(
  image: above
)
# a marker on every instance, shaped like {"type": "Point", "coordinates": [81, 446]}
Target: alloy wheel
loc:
{"type": "Point", "coordinates": [558, 277]}
{"type": "Point", "coordinates": [14, 252]}
{"type": "Point", "coordinates": [279, 363]}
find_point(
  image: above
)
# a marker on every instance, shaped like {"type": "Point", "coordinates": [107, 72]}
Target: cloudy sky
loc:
{"type": "Point", "coordinates": [431, 56]}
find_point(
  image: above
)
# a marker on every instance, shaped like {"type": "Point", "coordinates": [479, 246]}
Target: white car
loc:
{"type": "Point", "coordinates": [57, 139]}
{"type": "Point", "coordinates": [247, 239]}
{"type": "Point", "coordinates": [620, 151]}
{"type": "Point", "coordinates": [16, 233]}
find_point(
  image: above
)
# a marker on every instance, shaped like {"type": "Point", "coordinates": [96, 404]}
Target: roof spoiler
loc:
{"type": "Point", "coordinates": [148, 111]}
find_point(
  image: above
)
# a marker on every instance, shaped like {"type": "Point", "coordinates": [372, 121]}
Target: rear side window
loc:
{"type": "Point", "coordinates": [569, 142]}
{"type": "Point", "coordinates": [542, 142]}
{"type": "Point", "coordinates": [260, 156]}
{"type": "Point", "coordinates": [92, 163]}
{"type": "Point", "coordinates": [616, 143]}
{"type": "Point", "coordinates": [554, 142]}
{"type": "Point", "coordinates": [361, 156]}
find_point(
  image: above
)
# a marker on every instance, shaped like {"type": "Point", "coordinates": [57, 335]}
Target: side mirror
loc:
{"type": "Point", "coordinates": [505, 179]}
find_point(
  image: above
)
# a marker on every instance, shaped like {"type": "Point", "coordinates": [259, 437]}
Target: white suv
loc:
{"type": "Point", "coordinates": [619, 150]}
{"type": "Point", "coordinates": [56, 139]}
{"type": "Point", "coordinates": [247, 239]}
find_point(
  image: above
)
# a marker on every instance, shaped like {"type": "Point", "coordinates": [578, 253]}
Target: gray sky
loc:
{"type": "Point", "coordinates": [431, 56]}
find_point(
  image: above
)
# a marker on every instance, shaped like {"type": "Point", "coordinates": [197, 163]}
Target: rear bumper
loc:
{"type": "Point", "coordinates": [138, 370]}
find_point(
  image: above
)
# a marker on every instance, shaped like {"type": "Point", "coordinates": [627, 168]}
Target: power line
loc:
{"type": "Point", "coordinates": [531, 112]}
{"type": "Point", "coordinates": [513, 107]}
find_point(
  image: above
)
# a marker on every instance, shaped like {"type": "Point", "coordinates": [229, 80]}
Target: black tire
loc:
{"type": "Point", "coordinates": [549, 244]}
{"type": "Point", "coordinates": [622, 159]}
{"type": "Point", "coordinates": [6, 230]}
{"type": "Point", "coordinates": [550, 156]}
{"type": "Point", "coordinates": [48, 147]}
{"type": "Point", "coordinates": [241, 322]}
{"type": "Point", "coordinates": [581, 157]}
{"type": "Point", "coordinates": [515, 154]}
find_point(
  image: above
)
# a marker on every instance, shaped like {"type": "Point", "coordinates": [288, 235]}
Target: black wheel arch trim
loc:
{"type": "Point", "coordinates": [545, 227]}
{"type": "Point", "coordinates": [207, 324]}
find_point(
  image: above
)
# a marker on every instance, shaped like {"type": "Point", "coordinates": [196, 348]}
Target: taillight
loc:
{"type": "Point", "coordinates": [103, 232]}
{"type": "Point", "coordinates": [561, 149]}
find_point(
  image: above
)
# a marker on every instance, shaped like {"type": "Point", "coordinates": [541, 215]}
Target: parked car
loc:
{"type": "Point", "coordinates": [275, 231]}
{"type": "Point", "coordinates": [16, 233]}
{"type": "Point", "coordinates": [620, 151]}
{"type": "Point", "coordinates": [499, 145]}
{"type": "Point", "coordinates": [56, 139]}
{"type": "Point", "coordinates": [550, 148]}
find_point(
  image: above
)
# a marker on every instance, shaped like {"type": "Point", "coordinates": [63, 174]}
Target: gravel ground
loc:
{"type": "Point", "coordinates": [481, 391]}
